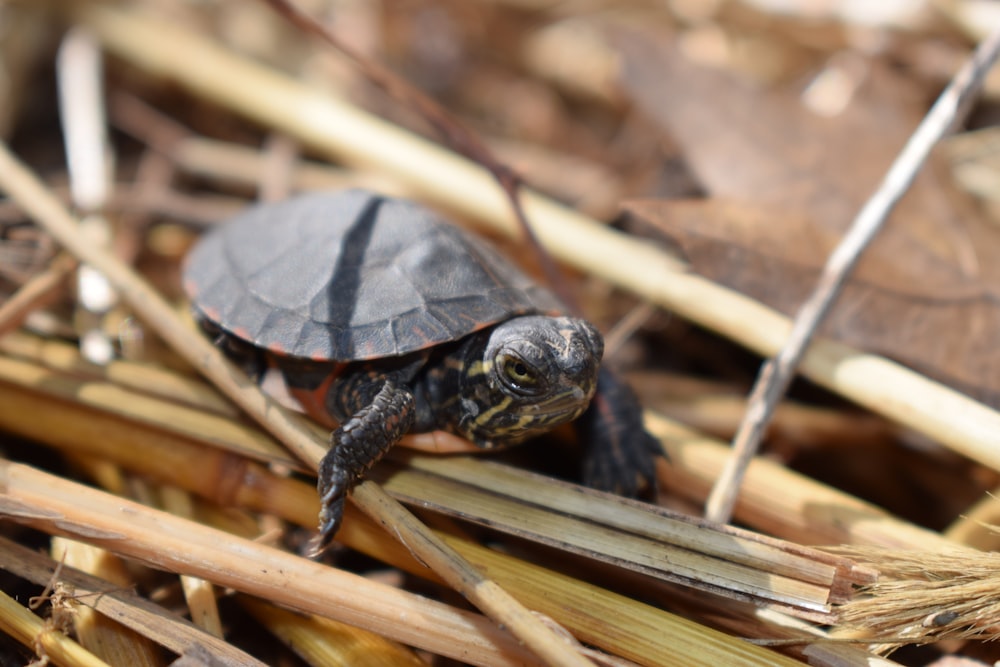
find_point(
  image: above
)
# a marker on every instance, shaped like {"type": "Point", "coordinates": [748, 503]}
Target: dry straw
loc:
{"type": "Point", "coordinates": [923, 597]}
{"type": "Point", "coordinates": [282, 103]}
{"type": "Point", "coordinates": [211, 464]}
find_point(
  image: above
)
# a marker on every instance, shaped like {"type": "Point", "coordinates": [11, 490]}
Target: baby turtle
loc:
{"type": "Point", "coordinates": [386, 319]}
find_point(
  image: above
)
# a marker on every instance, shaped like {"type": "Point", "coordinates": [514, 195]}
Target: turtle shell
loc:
{"type": "Point", "coordinates": [353, 275]}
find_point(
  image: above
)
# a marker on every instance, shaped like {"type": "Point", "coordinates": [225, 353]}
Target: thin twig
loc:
{"type": "Point", "coordinates": [777, 374]}
{"type": "Point", "coordinates": [122, 604]}
{"type": "Point", "coordinates": [626, 327]}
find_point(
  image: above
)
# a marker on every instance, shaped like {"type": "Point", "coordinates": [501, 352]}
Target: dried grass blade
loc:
{"type": "Point", "coordinates": [38, 292]}
{"type": "Point", "coordinates": [204, 466]}
{"type": "Point", "coordinates": [616, 623]}
{"type": "Point", "coordinates": [322, 641]}
{"type": "Point", "coordinates": [716, 540]}
{"type": "Point", "coordinates": [199, 594]}
{"type": "Point", "coordinates": [669, 548]}
{"type": "Point", "coordinates": [144, 378]}
{"type": "Point", "coordinates": [142, 411]}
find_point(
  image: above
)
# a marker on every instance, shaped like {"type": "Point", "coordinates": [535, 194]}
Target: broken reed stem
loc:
{"type": "Point", "coordinates": [485, 593]}
{"type": "Point", "coordinates": [123, 605]}
{"type": "Point", "coordinates": [80, 81]}
{"type": "Point", "coordinates": [134, 377]}
{"type": "Point", "coordinates": [453, 568]}
{"type": "Point", "coordinates": [777, 374]}
{"type": "Point", "coordinates": [30, 193]}
{"type": "Point", "coordinates": [358, 139]}
{"type": "Point", "coordinates": [107, 638]}
{"type": "Point", "coordinates": [805, 511]}
{"type": "Point", "coordinates": [42, 636]}
{"type": "Point", "coordinates": [658, 543]}
{"type": "Point", "coordinates": [923, 597]}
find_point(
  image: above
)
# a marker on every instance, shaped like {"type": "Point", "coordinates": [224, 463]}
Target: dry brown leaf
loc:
{"type": "Point", "coordinates": [922, 294]}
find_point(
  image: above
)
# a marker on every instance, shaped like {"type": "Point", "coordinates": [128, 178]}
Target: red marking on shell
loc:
{"type": "Point", "coordinates": [366, 350]}
{"type": "Point", "coordinates": [242, 333]}
{"type": "Point", "coordinates": [278, 348]}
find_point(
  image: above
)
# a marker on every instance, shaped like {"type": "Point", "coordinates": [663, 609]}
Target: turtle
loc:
{"type": "Point", "coordinates": [386, 319]}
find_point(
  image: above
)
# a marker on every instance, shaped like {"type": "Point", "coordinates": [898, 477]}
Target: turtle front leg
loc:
{"type": "Point", "coordinates": [385, 414]}
{"type": "Point", "coordinates": [620, 454]}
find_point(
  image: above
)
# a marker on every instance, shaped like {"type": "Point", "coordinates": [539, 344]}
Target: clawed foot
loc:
{"type": "Point", "coordinates": [621, 455]}
{"type": "Point", "coordinates": [626, 468]}
{"type": "Point", "coordinates": [386, 413]}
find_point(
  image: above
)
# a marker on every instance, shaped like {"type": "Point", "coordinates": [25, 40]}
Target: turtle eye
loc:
{"type": "Point", "coordinates": [519, 376]}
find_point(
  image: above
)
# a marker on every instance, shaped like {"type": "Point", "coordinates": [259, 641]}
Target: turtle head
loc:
{"type": "Point", "coordinates": [534, 373]}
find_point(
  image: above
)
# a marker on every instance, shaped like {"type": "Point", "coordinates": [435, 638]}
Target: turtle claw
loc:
{"type": "Point", "coordinates": [332, 485]}
{"type": "Point", "coordinates": [355, 447]}
{"type": "Point", "coordinates": [330, 518]}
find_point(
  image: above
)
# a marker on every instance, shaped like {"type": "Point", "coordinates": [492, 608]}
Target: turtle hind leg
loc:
{"type": "Point", "coordinates": [356, 446]}
{"type": "Point", "coordinates": [620, 454]}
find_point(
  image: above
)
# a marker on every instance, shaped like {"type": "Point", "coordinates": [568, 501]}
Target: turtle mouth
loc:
{"type": "Point", "coordinates": [508, 424]}
{"type": "Point", "coordinates": [566, 405]}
